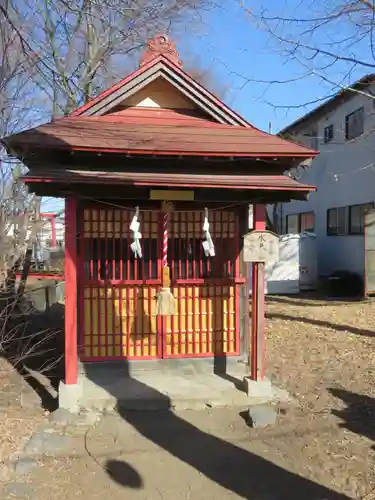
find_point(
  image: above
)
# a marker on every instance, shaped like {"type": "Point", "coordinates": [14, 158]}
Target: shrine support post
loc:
{"type": "Point", "coordinates": [257, 352]}
{"type": "Point", "coordinates": [71, 337]}
{"type": "Point", "coordinates": [70, 390]}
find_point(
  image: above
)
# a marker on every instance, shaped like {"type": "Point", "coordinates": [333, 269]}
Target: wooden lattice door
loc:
{"type": "Point", "coordinates": [205, 288]}
{"type": "Point", "coordinates": [118, 292]}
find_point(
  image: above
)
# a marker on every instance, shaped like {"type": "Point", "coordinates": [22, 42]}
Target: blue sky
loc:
{"type": "Point", "coordinates": [239, 53]}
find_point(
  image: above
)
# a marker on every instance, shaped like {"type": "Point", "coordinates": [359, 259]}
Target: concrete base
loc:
{"type": "Point", "coordinates": [70, 396]}
{"type": "Point", "coordinates": [263, 390]}
{"type": "Point", "coordinates": [258, 389]}
{"type": "Point", "coordinates": [188, 388]}
{"type": "Point", "coordinates": [187, 385]}
{"type": "Point", "coordinates": [262, 416]}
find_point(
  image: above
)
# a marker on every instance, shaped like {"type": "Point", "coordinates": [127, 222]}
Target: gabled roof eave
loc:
{"type": "Point", "coordinates": [161, 67]}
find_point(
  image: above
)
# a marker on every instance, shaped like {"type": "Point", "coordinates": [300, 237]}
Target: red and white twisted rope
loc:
{"type": "Point", "coordinates": [165, 240]}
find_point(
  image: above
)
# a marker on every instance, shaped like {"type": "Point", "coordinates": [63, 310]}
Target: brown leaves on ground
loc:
{"type": "Point", "coordinates": [323, 353]}
{"type": "Point", "coordinates": [20, 412]}
{"type": "Point", "coordinates": [315, 344]}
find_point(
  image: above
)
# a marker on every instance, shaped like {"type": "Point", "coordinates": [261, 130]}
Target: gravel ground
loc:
{"type": "Point", "coordinates": [323, 447]}
{"type": "Point", "coordinates": [25, 398]}
{"type": "Point", "coordinates": [20, 413]}
{"type": "Point", "coordinates": [314, 346]}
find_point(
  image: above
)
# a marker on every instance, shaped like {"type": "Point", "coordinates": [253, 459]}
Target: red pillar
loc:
{"type": "Point", "coordinates": [71, 353]}
{"type": "Point", "coordinates": [258, 305]}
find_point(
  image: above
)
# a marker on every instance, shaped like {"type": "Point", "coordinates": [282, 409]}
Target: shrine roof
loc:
{"type": "Point", "coordinates": [107, 123]}
{"type": "Point", "coordinates": [155, 135]}
{"type": "Point", "coordinates": [156, 179]}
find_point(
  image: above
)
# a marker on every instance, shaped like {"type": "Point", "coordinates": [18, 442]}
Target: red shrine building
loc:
{"type": "Point", "coordinates": [158, 139]}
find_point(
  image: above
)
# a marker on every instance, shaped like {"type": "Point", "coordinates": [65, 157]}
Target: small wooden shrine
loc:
{"type": "Point", "coordinates": [158, 139]}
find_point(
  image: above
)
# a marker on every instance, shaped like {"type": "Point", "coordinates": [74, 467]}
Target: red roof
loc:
{"type": "Point", "coordinates": [173, 69]}
{"type": "Point", "coordinates": [117, 134]}
{"type": "Point", "coordinates": [75, 176]}
{"type": "Point", "coordinates": [99, 126]}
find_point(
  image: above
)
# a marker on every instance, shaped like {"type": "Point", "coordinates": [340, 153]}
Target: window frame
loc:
{"type": "Point", "coordinates": [349, 137]}
{"type": "Point", "coordinates": [306, 214]}
{"type": "Point", "coordinates": [287, 223]}
{"type": "Point", "coordinates": [299, 216]}
{"type": "Point", "coordinates": [336, 231]}
{"type": "Point", "coordinates": [361, 230]}
{"type": "Point", "coordinates": [328, 133]}
{"type": "Point", "coordinates": [314, 137]}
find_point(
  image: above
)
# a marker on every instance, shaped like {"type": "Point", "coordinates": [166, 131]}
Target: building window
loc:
{"type": "Point", "coordinates": [328, 134]}
{"type": "Point", "coordinates": [297, 223]}
{"type": "Point", "coordinates": [354, 124]}
{"type": "Point", "coordinates": [357, 217]}
{"type": "Point", "coordinates": [292, 223]}
{"type": "Point", "coordinates": [314, 138]}
{"type": "Point", "coordinates": [337, 221]}
{"type": "Point", "coordinates": [347, 220]}
{"type": "Point", "coordinates": [307, 222]}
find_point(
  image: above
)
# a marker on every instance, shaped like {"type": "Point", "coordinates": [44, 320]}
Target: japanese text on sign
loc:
{"type": "Point", "coordinates": [261, 246]}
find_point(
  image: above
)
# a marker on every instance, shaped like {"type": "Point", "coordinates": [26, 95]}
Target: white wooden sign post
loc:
{"type": "Point", "coordinates": [260, 247]}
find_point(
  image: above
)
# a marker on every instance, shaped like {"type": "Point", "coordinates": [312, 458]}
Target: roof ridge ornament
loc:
{"type": "Point", "coordinates": [160, 45]}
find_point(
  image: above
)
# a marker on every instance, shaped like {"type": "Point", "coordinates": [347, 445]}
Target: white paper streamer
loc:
{"type": "Point", "coordinates": [137, 236]}
{"type": "Point", "coordinates": [208, 244]}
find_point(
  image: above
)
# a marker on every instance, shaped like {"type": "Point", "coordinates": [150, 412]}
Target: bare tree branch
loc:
{"type": "Point", "coordinates": [78, 45]}
{"type": "Point", "coordinates": [327, 39]}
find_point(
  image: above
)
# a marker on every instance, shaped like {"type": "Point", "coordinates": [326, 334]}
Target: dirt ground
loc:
{"type": "Point", "coordinates": [27, 379]}
{"type": "Point", "coordinates": [20, 411]}
{"type": "Point", "coordinates": [323, 353]}
{"type": "Point", "coordinates": [317, 345]}
{"type": "Point", "coordinates": [322, 448]}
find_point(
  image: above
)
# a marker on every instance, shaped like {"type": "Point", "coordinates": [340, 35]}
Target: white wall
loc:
{"type": "Point", "coordinates": [344, 174]}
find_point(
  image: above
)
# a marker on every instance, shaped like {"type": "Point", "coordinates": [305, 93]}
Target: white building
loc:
{"type": "Point", "coordinates": [343, 129]}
